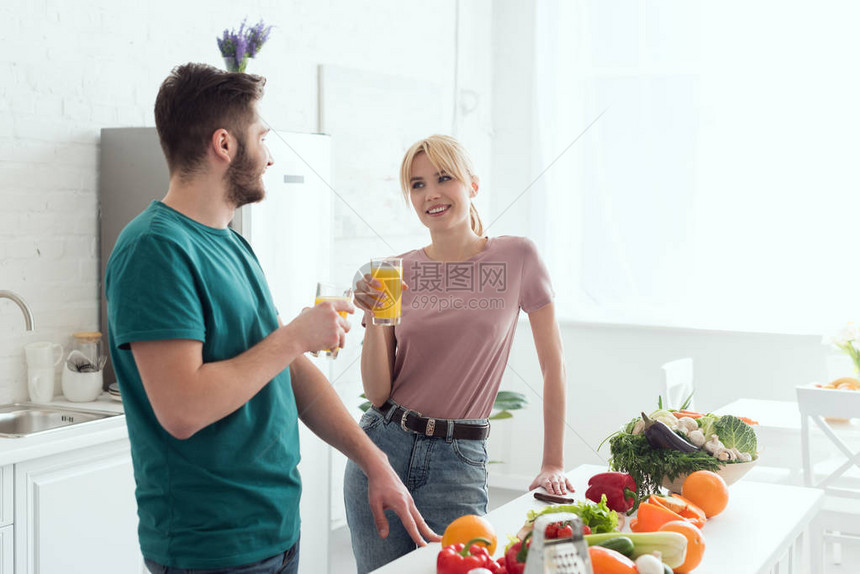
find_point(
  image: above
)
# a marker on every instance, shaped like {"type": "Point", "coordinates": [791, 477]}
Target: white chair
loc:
{"type": "Point", "coordinates": [838, 522]}
{"type": "Point", "coordinates": [678, 385]}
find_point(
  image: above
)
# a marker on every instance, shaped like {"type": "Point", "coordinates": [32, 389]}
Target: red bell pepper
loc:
{"type": "Point", "coordinates": [619, 488]}
{"type": "Point", "coordinates": [460, 558]}
{"type": "Point", "coordinates": [515, 556]}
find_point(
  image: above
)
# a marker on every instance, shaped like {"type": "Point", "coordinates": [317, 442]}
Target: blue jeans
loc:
{"type": "Point", "coordinates": [284, 563]}
{"type": "Point", "coordinates": [447, 478]}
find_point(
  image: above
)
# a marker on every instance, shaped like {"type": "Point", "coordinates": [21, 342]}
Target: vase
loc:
{"type": "Point", "coordinates": [232, 66]}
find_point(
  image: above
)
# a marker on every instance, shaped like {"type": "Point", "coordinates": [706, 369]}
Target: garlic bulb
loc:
{"type": "Point", "coordinates": [649, 564]}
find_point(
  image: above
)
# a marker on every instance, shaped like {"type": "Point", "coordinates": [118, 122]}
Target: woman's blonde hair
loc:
{"type": "Point", "coordinates": [446, 154]}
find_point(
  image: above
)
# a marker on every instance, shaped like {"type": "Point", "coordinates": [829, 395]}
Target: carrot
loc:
{"type": "Point", "coordinates": [691, 414]}
{"type": "Point", "coordinates": [748, 420]}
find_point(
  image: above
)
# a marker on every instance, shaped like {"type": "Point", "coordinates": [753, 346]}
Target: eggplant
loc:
{"type": "Point", "coordinates": [659, 435]}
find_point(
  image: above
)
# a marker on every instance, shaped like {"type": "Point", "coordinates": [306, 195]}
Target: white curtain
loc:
{"type": "Point", "coordinates": [719, 188]}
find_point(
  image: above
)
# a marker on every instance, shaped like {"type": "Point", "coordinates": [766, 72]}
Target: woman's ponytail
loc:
{"type": "Point", "coordinates": [475, 219]}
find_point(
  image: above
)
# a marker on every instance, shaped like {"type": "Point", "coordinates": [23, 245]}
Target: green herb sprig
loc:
{"type": "Point", "coordinates": [632, 454]}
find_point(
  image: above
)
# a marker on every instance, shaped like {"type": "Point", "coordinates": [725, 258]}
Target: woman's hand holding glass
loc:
{"type": "Point", "coordinates": [369, 293]}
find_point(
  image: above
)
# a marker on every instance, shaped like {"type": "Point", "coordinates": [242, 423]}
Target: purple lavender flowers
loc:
{"type": "Point", "coordinates": [237, 47]}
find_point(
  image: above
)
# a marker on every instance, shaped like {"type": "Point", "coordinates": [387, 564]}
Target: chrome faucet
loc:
{"type": "Point", "coordinates": [28, 314]}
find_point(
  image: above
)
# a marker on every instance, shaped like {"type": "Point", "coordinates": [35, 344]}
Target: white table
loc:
{"type": "Point", "coordinates": [763, 530]}
{"type": "Point", "coordinates": [779, 437]}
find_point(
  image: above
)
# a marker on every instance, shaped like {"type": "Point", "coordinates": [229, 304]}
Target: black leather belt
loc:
{"type": "Point", "coordinates": [412, 421]}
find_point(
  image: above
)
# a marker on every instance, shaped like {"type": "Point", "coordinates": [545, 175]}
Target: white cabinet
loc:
{"type": "Point", "coordinates": [7, 486]}
{"type": "Point", "coordinates": [6, 490]}
{"type": "Point", "coordinates": [75, 512]}
{"type": "Point", "coordinates": [7, 544]}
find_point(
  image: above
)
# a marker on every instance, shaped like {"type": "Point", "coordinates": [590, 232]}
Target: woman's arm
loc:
{"type": "Point", "coordinates": [550, 354]}
{"type": "Point", "coordinates": [377, 361]}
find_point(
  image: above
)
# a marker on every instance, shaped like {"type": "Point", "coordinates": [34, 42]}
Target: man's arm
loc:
{"type": "Point", "coordinates": [187, 394]}
{"type": "Point", "coordinates": [323, 412]}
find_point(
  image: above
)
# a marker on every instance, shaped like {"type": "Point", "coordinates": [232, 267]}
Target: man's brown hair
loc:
{"type": "Point", "coordinates": [193, 102]}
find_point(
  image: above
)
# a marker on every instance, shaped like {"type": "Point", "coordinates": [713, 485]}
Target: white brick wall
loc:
{"type": "Point", "coordinates": [70, 69]}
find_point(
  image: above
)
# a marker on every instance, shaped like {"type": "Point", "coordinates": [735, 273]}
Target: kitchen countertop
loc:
{"type": "Point", "coordinates": [762, 523]}
{"type": "Point", "coordinates": [14, 450]}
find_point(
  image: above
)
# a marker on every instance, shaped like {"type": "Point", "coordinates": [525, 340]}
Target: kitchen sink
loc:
{"type": "Point", "coordinates": [25, 419]}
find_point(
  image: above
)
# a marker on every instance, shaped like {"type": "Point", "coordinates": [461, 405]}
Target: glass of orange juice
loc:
{"type": "Point", "coordinates": [331, 292]}
{"type": "Point", "coordinates": [389, 272]}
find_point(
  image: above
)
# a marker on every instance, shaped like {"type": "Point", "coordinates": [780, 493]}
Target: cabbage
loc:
{"type": "Point", "coordinates": [734, 432]}
{"type": "Point", "coordinates": [706, 423]}
{"type": "Point", "coordinates": [664, 416]}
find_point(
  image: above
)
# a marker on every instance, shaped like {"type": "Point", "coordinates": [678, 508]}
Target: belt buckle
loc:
{"type": "Point", "coordinates": [403, 419]}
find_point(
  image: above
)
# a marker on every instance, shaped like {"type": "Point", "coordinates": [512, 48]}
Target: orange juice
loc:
{"type": "Point", "coordinates": [323, 295]}
{"type": "Point", "coordinates": [387, 311]}
{"type": "Point", "coordinates": [319, 300]}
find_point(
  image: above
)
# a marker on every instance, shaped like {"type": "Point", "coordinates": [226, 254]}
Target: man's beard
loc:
{"type": "Point", "coordinates": [244, 183]}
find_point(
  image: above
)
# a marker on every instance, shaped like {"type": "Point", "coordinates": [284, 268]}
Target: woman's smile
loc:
{"type": "Point", "coordinates": [438, 210]}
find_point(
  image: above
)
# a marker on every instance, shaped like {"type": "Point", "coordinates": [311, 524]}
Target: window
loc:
{"type": "Point", "coordinates": [719, 188]}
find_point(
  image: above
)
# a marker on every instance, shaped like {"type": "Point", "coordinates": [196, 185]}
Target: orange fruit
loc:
{"type": "Point", "coordinates": [844, 383]}
{"type": "Point", "coordinates": [467, 528]}
{"type": "Point", "coordinates": [608, 561]}
{"type": "Point", "coordinates": [707, 490]}
{"type": "Point", "coordinates": [695, 544]}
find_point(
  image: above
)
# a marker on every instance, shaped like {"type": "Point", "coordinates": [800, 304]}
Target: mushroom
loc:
{"type": "Point", "coordinates": [639, 427]}
{"type": "Point", "coordinates": [688, 423]}
{"type": "Point", "coordinates": [714, 444]}
{"type": "Point", "coordinates": [725, 454]}
{"type": "Point", "coordinates": [697, 437]}
{"type": "Point", "coordinates": [745, 457]}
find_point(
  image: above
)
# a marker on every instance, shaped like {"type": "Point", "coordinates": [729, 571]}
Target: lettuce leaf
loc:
{"type": "Point", "coordinates": [598, 516]}
{"type": "Point", "coordinates": [734, 432]}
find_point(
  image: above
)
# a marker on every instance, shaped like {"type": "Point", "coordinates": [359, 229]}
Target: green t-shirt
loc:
{"type": "Point", "coordinates": [228, 495]}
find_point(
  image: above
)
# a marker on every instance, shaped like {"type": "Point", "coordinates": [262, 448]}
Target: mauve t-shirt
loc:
{"type": "Point", "coordinates": [458, 320]}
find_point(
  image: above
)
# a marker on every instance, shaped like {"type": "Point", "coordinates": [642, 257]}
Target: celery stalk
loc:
{"type": "Point", "coordinates": [671, 545]}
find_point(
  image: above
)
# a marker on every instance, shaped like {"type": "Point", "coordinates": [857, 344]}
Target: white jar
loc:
{"type": "Point", "coordinates": [81, 387]}
{"type": "Point", "coordinates": [90, 344]}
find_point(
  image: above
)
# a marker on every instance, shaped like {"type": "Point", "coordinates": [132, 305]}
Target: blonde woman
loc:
{"type": "Point", "coordinates": [433, 378]}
